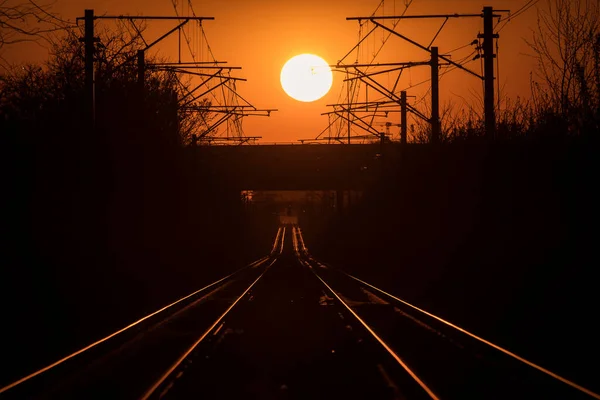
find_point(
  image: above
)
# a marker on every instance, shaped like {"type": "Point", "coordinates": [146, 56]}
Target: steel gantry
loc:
{"type": "Point", "coordinates": [213, 92]}
{"type": "Point", "coordinates": [362, 114]}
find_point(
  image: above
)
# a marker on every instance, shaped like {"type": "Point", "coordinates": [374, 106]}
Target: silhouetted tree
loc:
{"type": "Point", "coordinates": [566, 45]}
{"type": "Point", "coordinates": [52, 94]}
{"type": "Point", "coordinates": [27, 21]}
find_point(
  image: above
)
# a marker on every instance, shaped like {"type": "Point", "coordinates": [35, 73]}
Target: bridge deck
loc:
{"type": "Point", "coordinates": [295, 167]}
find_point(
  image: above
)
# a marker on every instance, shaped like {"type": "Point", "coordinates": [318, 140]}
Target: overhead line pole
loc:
{"type": "Point", "coordinates": [90, 95]}
{"type": "Point", "coordinates": [488, 37]}
{"type": "Point", "coordinates": [403, 114]}
{"type": "Point", "coordinates": [488, 71]}
{"type": "Point", "coordinates": [435, 96]}
{"type": "Point", "coordinates": [141, 70]}
{"type": "Point", "coordinates": [142, 66]}
{"type": "Point", "coordinates": [348, 96]}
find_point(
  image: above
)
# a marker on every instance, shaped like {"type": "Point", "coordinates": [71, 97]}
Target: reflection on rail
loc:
{"type": "Point", "coordinates": [168, 373]}
{"type": "Point", "coordinates": [307, 260]}
{"type": "Point", "coordinates": [301, 248]}
{"type": "Point", "coordinates": [279, 241]}
{"type": "Point", "coordinates": [484, 341]}
{"type": "Point", "coordinates": [166, 380]}
{"type": "Point", "coordinates": [157, 316]}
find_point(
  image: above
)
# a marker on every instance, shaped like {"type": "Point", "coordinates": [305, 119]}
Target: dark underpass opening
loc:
{"type": "Point", "coordinates": [291, 206]}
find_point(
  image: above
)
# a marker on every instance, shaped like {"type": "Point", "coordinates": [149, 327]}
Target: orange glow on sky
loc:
{"type": "Point", "coordinates": [261, 35]}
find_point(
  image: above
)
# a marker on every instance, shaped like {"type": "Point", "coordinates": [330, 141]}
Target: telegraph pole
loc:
{"type": "Point", "coordinates": [488, 37]}
{"type": "Point", "coordinates": [488, 54]}
{"type": "Point", "coordinates": [141, 64]}
{"type": "Point", "coordinates": [435, 96]}
{"type": "Point", "coordinates": [175, 110]}
{"type": "Point", "coordinates": [90, 96]}
{"type": "Point", "coordinates": [141, 70]}
{"type": "Point", "coordinates": [403, 122]}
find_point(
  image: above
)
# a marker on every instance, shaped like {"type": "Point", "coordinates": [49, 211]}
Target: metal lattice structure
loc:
{"type": "Point", "coordinates": [367, 101]}
{"type": "Point", "coordinates": [206, 86]}
{"type": "Point", "coordinates": [214, 84]}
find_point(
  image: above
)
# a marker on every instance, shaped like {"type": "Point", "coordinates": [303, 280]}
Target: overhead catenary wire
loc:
{"type": "Point", "coordinates": [364, 23]}
{"type": "Point", "coordinates": [221, 88]}
{"type": "Point", "coordinates": [464, 61]}
{"type": "Point", "coordinates": [510, 17]}
{"type": "Point", "coordinates": [353, 88]}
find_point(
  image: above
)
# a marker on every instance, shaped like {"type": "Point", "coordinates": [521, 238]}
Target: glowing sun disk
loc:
{"type": "Point", "coordinates": [306, 77]}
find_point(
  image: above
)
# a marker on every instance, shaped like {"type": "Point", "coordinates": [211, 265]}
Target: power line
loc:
{"type": "Point", "coordinates": [462, 47]}
{"type": "Point", "coordinates": [523, 9]}
{"type": "Point", "coordinates": [353, 89]}
{"type": "Point", "coordinates": [464, 61]}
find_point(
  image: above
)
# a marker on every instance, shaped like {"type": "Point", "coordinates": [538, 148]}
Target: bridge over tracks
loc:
{"type": "Point", "coordinates": [296, 167]}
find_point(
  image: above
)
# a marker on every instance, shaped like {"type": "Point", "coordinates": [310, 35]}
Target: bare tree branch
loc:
{"type": "Point", "coordinates": [28, 21]}
{"type": "Point", "coordinates": [565, 46]}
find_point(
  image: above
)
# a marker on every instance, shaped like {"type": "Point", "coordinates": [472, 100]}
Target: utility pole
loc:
{"type": "Point", "coordinates": [403, 122]}
{"type": "Point", "coordinates": [175, 115]}
{"type": "Point", "coordinates": [141, 69]}
{"type": "Point", "coordinates": [488, 71]}
{"type": "Point", "coordinates": [348, 96]}
{"type": "Point", "coordinates": [141, 64]}
{"type": "Point", "coordinates": [488, 50]}
{"type": "Point", "coordinates": [435, 96]}
{"type": "Point", "coordinates": [90, 96]}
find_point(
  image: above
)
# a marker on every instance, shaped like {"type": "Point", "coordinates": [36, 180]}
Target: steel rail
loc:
{"type": "Point", "coordinates": [176, 364]}
{"type": "Point", "coordinates": [482, 340]}
{"type": "Point", "coordinates": [112, 335]}
{"type": "Point", "coordinates": [276, 241]}
{"type": "Point", "coordinates": [295, 240]}
{"type": "Point", "coordinates": [96, 343]}
{"type": "Point", "coordinates": [399, 360]}
{"type": "Point", "coordinates": [282, 241]}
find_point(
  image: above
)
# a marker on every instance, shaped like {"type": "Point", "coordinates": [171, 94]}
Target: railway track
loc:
{"type": "Point", "coordinates": [290, 327]}
{"type": "Point", "coordinates": [125, 363]}
{"type": "Point", "coordinates": [288, 338]}
{"type": "Point", "coordinates": [444, 358]}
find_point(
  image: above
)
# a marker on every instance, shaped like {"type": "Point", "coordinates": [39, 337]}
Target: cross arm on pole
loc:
{"type": "Point", "coordinates": [424, 48]}
{"type": "Point", "coordinates": [382, 90]}
{"type": "Point", "coordinates": [206, 64]}
{"type": "Point", "coordinates": [207, 91]}
{"type": "Point", "coordinates": [414, 16]}
{"type": "Point", "coordinates": [395, 64]}
{"type": "Point", "coordinates": [166, 34]}
{"type": "Point", "coordinates": [141, 17]}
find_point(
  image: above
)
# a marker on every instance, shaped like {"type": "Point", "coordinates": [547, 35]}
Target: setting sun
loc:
{"type": "Point", "coordinates": [306, 77]}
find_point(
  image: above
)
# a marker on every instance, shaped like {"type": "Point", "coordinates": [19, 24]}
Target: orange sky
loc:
{"type": "Point", "coordinates": [261, 35]}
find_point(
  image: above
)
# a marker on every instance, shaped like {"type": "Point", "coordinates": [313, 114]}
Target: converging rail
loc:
{"type": "Point", "coordinates": [290, 326]}
{"type": "Point", "coordinates": [162, 381]}
{"type": "Point", "coordinates": [166, 380]}
{"type": "Point", "coordinates": [348, 288]}
{"type": "Point", "coordinates": [300, 249]}
{"type": "Point", "coordinates": [286, 336]}
{"type": "Point", "coordinates": [132, 335]}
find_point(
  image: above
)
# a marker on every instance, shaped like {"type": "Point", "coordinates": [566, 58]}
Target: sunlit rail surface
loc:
{"type": "Point", "coordinates": [288, 326]}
